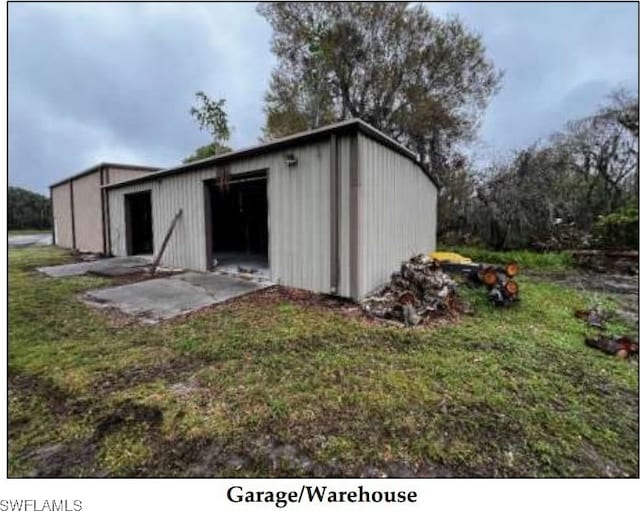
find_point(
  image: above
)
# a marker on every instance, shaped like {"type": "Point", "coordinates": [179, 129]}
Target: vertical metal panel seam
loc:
{"type": "Point", "coordinates": [208, 225]}
{"type": "Point", "coordinates": [337, 222]}
{"type": "Point", "coordinates": [73, 219]}
{"type": "Point", "coordinates": [334, 233]}
{"type": "Point", "coordinates": [103, 194]}
{"type": "Point", "coordinates": [354, 204]}
{"type": "Point", "coordinates": [53, 218]}
{"type": "Point", "coordinates": [107, 234]}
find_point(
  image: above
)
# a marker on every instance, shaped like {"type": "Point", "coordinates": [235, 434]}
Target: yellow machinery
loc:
{"type": "Point", "coordinates": [449, 257]}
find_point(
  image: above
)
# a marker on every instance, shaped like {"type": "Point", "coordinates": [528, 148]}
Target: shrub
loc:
{"type": "Point", "coordinates": [618, 229]}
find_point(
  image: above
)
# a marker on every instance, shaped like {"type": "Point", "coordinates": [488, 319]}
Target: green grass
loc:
{"type": "Point", "coordinates": [526, 259]}
{"type": "Point", "coordinates": [28, 231]}
{"type": "Point", "coordinates": [256, 387]}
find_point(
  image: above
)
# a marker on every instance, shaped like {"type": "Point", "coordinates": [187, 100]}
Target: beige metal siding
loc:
{"type": "Point", "coordinates": [61, 198]}
{"type": "Point", "coordinates": [117, 175]}
{"type": "Point", "coordinates": [298, 200]}
{"type": "Point", "coordinates": [87, 209]}
{"type": "Point", "coordinates": [398, 208]}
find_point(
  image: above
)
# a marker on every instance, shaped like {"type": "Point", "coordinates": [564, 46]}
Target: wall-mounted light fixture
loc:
{"type": "Point", "coordinates": [290, 160]}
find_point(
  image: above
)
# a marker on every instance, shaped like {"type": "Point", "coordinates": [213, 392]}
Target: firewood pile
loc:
{"type": "Point", "coordinates": [499, 281]}
{"type": "Point", "coordinates": [423, 290]}
{"type": "Point", "coordinates": [418, 292]}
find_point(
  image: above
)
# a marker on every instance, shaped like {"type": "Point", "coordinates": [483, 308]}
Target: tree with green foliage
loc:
{"type": "Point", "coordinates": [211, 117]}
{"type": "Point", "coordinates": [421, 80]}
{"type": "Point", "coordinates": [27, 210]}
{"type": "Point", "coordinates": [206, 151]}
{"type": "Point", "coordinates": [577, 188]}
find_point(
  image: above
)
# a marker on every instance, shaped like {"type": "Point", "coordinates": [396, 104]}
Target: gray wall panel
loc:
{"type": "Point", "coordinates": [398, 212]}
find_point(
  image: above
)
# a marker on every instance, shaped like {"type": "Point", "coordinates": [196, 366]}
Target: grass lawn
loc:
{"type": "Point", "coordinates": [267, 386]}
{"type": "Point", "coordinates": [29, 231]}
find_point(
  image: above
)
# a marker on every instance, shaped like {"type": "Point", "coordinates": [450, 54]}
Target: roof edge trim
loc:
{"type": "Point", "coordinates": [350, 125]}
{"type": "Point", "coordinates": [98, 166]}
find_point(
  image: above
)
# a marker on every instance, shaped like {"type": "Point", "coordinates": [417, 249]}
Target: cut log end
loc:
{"type": "Point", "coordinates": [511, 288]}
{"type": "Point", "coordinates": [511, 269]}
{"type": "Point", "coordinates": [489, 277]}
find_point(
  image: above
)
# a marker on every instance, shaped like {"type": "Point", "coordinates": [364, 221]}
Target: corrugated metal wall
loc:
{"type": "Point", "coordinates": [396, 214]}
{"type": "Point", "coordinates": [398, 210]}
{"type": "Point", "coordinates": [298, 215]}
{"type": "Point", "coordinates": [87, 209]}
{"type": "Point", "coordinates": [116, 174]}
{"type": "Point", "coordinates": [61, 202]}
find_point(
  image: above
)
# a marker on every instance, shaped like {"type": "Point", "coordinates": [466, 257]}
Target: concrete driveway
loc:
{"type": "Point", "coordinates": [28, 240]}
{"type": "Point", "coordinates": [164, 298]}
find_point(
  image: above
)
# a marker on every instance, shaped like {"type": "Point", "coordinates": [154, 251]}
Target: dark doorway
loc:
{"type": "Point", "coordinates": [237, 220]}
{"type": "Point", "coordinates": [139, 223]}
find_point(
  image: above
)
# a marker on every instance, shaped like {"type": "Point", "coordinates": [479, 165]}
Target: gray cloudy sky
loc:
{"type": "Point", "coordinates": [114, 82]}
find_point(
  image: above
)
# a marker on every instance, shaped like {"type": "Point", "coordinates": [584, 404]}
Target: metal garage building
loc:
{"type": "Point", "coordinates": [334, 210]}
{"type": "Point", "coordinates": [78, 205]}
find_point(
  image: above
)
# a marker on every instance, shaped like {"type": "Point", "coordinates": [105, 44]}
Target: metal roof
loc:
{"type": "Point", "coordinates": [351, 125]}
{"type": "Point", "coordinates": [94, 168]}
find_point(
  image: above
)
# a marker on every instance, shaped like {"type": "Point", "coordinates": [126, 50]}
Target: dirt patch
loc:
{"type": "Point", "coordinates": [266, 454]}
{"type": "Point", "coordinates": [127, 412]}
{"type": "Point", "coordinates": [79, 457]}
{"type": "Point", "coordinates": [277, 294]}
{"type": "Point", "coordinates": [59, 401]}
{"type": "Point", "coordinates": [592, 281]}
{"type": "Point", "coordinates": [68, 459]}
{"type": "Point", "coordinates": [170, 371]}
{"type": "Point", "coordinates": [589, 455]}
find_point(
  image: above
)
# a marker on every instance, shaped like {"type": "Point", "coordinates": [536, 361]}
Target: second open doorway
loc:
{"type": "Point", "coordinates": [237, 223]}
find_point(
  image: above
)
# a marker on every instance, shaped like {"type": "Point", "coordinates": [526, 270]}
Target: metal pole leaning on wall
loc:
{"type": "Point", "coordinates": [158, 257]}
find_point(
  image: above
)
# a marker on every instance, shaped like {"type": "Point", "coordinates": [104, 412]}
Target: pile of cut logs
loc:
{"type": "Point", "coordinates": [423, 289]}
{"type": "Point", "coordinates": [415, 294]}
{"type": "Point", "coordinates": [503, 289]}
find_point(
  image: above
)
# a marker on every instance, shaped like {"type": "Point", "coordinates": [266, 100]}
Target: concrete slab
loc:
{"type": "Point", "coordinates": [247, 271]}
{"type": "Point", "coordinates": [100, 265]}
{"type": "Point", "coordinates": [164, 298]}
{"type": "Point", "coordinates": [117, 271]}
{"type": "Point", "coordinates": [28, 240]}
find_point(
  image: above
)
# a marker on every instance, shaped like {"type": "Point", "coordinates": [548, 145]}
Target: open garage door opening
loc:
{"type": "Point", "coordinates": [139, 223]}
{"type": "Point", "coordinates": [237, 223]}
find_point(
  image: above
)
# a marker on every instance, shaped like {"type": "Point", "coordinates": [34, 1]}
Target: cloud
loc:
{"type": "Point", "coordinates": [560, 60]}
{"type": "Point", "coordinates": [115, 81]}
